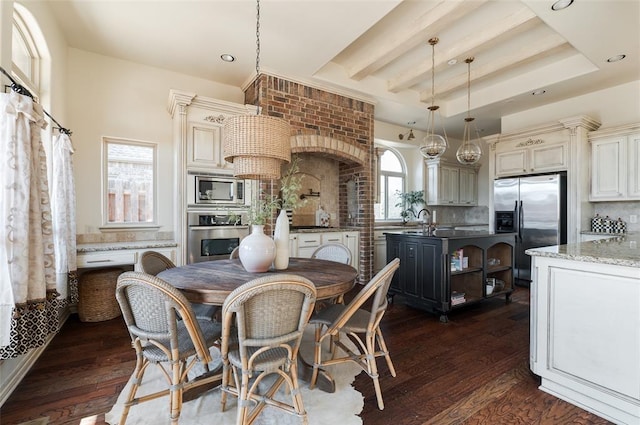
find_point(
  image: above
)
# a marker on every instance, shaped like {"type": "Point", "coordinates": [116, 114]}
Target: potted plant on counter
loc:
{"type": "Point", "coordinates": [411, 202]}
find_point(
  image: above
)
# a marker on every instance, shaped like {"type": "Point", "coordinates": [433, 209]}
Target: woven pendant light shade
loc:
{"type": "Point", "coordinates": [257, 145]}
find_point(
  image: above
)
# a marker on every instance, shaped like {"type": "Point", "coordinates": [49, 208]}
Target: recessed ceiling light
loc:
{"type": "Point", "coordinates": [452, 61]}
{"type": "Point", "coordinates": [538, 92]}
{"type": "Point", "coordinates": [616, 58]}
{"type": "Point", "coordinates": [227, 57]}
{"type": "Point", "coordinates": [561, 4]}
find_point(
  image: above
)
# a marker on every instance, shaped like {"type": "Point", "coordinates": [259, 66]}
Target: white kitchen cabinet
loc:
{"type": "Point", "coordinates": [615, 172]}
{"type": "Point", "coordinates": [352, 241]}
{"type": "Point", "coordinates": [119, 257]}
{"type": "Point", "coordinates": [451, 184]}
{"type": "Point", "coordinates": [204, 146]}
{"type": "Point", "coordinates": [304, 244]}
{"type": "Point", "coordinates": [537, 158]}
{"type": "Point", "coordinates": [307, 244]}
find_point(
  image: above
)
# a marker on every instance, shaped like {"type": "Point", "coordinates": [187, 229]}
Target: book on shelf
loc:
{"type": "Point", "coordinates": [457, 298]}
{"type": "Point", "coordinates": [456, 301]}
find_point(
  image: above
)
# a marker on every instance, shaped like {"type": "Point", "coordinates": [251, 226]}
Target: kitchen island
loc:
{"type": "Point", "coordinates": [448, 269]}
{"type": "Point", "coordinates": [585, 325]}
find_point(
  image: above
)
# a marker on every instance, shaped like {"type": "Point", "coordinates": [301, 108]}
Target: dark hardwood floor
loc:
{"type": "Point", "coordinates": [472, 370]}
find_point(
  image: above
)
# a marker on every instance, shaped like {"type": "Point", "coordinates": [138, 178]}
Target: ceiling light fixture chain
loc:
{"type": "Point", "coordinates": [257, 85]}
{"type": "Point", "coordinates": [257, 145]}
{"type": "Point", "coordinates": [433, 145]}
{"type": "Point", "coordinates": [469, 151]}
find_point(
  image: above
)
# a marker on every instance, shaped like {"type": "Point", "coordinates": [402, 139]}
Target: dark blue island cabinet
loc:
{"type": "Point", "coordinates": [448, 269]}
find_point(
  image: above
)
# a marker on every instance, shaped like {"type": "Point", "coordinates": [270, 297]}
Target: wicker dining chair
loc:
{"type": "Point", "coordinates": [235, 253]}
{"type": "Point", "coordinates": [262, 325]}
{"type": "Point", "coordinates": [333, 252]}
{"type": "Point", "coordinates": [360, 325]}
{"type": "Point", "coordinates": [164, 332]}
{"type": "Point", "coordinates": [153, 262]}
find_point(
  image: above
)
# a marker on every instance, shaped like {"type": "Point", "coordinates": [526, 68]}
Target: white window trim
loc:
{"type": "Point", "coordinates": [402, 174]}
{"type": "Point", "coordinates": [114, 227]}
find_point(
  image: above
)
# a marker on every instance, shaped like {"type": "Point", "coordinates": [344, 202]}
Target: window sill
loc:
{"type": "Point", "coordinates": [129, 228]}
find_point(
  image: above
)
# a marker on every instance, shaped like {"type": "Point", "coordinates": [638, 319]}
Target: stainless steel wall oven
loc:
{"type": "Point", "coordinates": [212, 235]}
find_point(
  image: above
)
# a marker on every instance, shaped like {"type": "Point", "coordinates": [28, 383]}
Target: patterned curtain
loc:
{"type": "Point", "coordinates": [63, 211]}
{"type": "Point", "coordinates": [29, 301]}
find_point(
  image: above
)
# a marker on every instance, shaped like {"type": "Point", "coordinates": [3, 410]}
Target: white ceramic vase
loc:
{"type": "Point", "coordinates": [257, 251]}
{"type": "Point", "coordinates": [281, 238]}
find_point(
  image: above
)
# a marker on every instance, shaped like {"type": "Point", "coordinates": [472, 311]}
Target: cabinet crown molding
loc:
{"type": "Point", "coordinates": [620, 130]}
{"type": "Point", "coordinates": [451, 163]}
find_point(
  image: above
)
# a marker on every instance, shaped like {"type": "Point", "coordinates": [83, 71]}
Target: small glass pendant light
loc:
{"type": "Point", "coordinates": [434, 145]}
{"type": "Point", "coordinates": [469, 151]}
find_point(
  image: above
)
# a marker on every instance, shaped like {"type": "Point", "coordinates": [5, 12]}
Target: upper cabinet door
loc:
{"type": "Point", "coordinates": [204, 146]}
{"type": "Point", "coordinates": [608, 169]}
{"type": "Point", "coordinates": [633, 155]}
{"type": "Point", "coordinates": [511, 163]}
{"type": "Point", "coordinates": [549, 158]}
{"type": "Point", "coordinates": [450, 184]}
{"type": "Point", "coordinates": [542, 158]}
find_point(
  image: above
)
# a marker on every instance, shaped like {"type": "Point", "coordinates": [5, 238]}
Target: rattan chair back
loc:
{"type": "Point", "coordinates": [262, 326]}
{"type": "Point", "coordinates": [333, 252]}
{"type": "Point", "coordinates": [153, 262]}
{"type": "Point", "coordinates": [361, 324]}
{"type": "Point", "coordinates": [164, 331]}
{"type": "Point", "coordinates": [235, 253]}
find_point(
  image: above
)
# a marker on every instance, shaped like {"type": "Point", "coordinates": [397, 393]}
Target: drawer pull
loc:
{"type": "Point", "coordinates": [99, 261]}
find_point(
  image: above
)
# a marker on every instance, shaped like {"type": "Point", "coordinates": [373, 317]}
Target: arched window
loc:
{"type": "Point", "coordinates": [391, 180]}
{"type": "Point", "coordinates": [25, 56]}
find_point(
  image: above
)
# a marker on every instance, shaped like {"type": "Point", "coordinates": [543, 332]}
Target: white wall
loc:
{"type": "Point", "coordinates": [112, 97]}
{"type": "Point", "coordinates": [614, 106]}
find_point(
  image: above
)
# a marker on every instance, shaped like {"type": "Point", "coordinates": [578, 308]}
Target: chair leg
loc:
{"type": "Point", "coordinates": [295, 392]}
{"type": "Point", "coordinates": [317, 357]}
{"type": "Point", "coordinates": [373, 367]}
{"type": "Point", "coordinates": [175, 392]}
{"type": "Point", "coordinates": [243, 400]}
{"type": "Point", "coordinates": [138, 373]}
{"type": "Point", "coordinates": [383, 347]}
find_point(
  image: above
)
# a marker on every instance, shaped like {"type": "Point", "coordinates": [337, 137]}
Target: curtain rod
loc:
{"type": "Point", "coordinates": [20, 89]}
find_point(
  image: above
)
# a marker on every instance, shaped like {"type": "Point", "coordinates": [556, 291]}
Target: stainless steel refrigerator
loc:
{"type": "Point", "coordinates": [535, 207]}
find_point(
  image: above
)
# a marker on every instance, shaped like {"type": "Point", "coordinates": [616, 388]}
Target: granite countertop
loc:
{"type": "Point", "coordinates": [620, 251]}
{"type": "Point", "coordinates": [417, 225]}
{"type": "Point", "coordinates": [115, 246]}
{"type": "Point", "coordinates": [449, 234]}
{"type": "Point", "coordinates": [319, 229]}
{"type": "Point", "coordinates": [587, 232]}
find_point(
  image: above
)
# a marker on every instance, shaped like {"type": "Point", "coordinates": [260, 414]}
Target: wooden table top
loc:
{"type": "Point", "coordinates": [210, 282]}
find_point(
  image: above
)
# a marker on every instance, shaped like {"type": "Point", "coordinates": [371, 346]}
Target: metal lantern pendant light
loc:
{"type": "Point", "coordinates": [469, 152]}
{"type": "Point", "coordinates": [257, 145]}
{"type": "Point", "coordinates": [434, 145]}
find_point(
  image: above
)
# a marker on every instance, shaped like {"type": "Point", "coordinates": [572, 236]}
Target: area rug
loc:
{"type": "Point", "coordinates": [340, 407]}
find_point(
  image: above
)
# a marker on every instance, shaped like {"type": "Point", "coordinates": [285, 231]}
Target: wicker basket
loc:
{"type": "Point", "coordinates": [97, 295]}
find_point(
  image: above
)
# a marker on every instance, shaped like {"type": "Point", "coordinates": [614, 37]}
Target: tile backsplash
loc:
{"type": "Point", "coordinates": [621, 210]}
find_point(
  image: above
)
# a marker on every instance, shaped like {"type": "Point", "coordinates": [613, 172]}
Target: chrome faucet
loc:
{"type": "Point", "coordinates": [427, 225]}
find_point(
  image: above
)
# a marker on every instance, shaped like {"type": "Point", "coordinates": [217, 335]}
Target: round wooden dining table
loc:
{"type": "Point", "coordinates": [210, 282]}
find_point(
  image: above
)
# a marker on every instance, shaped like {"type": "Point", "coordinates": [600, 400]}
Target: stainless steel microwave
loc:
{"type": "Point", "coordinates": [217, 190]}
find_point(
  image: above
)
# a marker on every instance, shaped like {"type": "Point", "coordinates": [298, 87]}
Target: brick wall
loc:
{"type": "Point", "coordinates": [331, 125]}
